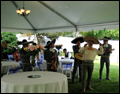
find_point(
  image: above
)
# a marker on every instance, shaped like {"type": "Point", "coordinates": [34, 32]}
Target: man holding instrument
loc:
{"type": "Point", "coordinates": [105, 57]}
{"type": "Point", "coordinates": [77, 62]}
{"type": "Point", "coordinates": [89, 54]}
{"type": "Point", "coordinates": [51, 56]}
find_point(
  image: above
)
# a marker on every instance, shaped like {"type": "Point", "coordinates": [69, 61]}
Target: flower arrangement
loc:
{"type": "Point", "coordinates": [33, 50]}
{"type": "Point", "coordinates": [58, 46]}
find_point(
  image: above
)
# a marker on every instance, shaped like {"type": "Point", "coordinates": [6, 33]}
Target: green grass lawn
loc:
{"type": "Point", "coordinates": [99, 86]}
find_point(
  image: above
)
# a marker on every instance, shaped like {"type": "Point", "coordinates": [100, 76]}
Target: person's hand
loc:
{"type": "Point", "coordinates": [100, 44]}
{"type": "Point", "coordinates": [85, 45]}
{"type": "Point", "coordinates": [111, 50]}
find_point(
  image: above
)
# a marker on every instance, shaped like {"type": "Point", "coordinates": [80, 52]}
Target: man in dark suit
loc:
{"type": "Point", "coordinates": [51, 56]}
{"type": "Point", "coordinates": [105, 57]}
{"type": "Point", "coordinates": [77, 62]}
{"type": "Point", "coordinates": [25, 56]}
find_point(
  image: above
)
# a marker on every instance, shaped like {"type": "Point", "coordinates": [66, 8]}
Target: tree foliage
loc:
{"type": "Point", "coordinates": [11, 39]}
{"type": "Point", "coordinates": [113, 33]}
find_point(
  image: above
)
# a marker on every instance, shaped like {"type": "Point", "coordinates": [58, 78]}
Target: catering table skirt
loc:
{"type": "Point", "coordinates": [65, 61]}
{"type": "Point", "coordinates": [49, 82]}
{"type": "Point", "coordinates": [7, 64]}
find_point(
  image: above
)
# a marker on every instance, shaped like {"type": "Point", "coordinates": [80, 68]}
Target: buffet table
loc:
{"type": "Point", "coordinates": [7, 64]}
{"type": "Point", "coordinates": [49, 82]}
{"type": "Point", "coordinates": [65, 60]}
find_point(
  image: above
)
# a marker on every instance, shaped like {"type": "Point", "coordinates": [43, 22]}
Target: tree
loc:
{"type": "Point", "coordinates": [11, 39]}
{"type": "Point", "coordinates": [113, 33]}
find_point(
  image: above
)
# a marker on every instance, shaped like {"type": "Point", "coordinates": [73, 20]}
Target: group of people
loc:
{"type": "Point", "coordinates": [87, 53]}
{"type": "Point", "coordinates": [86, 64]}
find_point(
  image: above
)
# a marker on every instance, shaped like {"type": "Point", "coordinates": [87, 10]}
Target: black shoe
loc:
{"type": "Point", "coordinates": [108, 78]}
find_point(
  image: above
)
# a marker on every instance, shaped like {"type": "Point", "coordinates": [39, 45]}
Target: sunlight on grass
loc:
{"type": "Point", "coordinates": [111, 63]}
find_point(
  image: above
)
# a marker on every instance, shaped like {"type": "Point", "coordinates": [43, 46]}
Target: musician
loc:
{"type": "Point", "coordinates": [67, 54]}
{"type": "Point", "coordinates": [25, 56]}
{"type": "Point", "coordinates": [77, 62]}
{"type": "Point", "coordinates": [89, 54]}
{"type": "Point", "coordinates": [51, 56]}
{"type": "Point", "coordinates": [105, 57]}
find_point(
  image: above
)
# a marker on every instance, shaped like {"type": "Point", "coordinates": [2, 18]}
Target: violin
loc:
{"type": "Point", "coordinates": [54, 62]}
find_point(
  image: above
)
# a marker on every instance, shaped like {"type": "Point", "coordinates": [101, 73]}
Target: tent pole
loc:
{"type": "Point", "coordinates": [76, 31]}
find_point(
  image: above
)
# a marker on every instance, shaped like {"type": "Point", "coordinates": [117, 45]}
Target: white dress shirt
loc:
{"type": "Point", "coordinates": [90, 54]}
{"type": "Point", "coordinates": [105, 45]}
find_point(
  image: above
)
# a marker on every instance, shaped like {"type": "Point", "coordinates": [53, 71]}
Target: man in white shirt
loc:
{"type": "Point", "coordinates": [89, 54]}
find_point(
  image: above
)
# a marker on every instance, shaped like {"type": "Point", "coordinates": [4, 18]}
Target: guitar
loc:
{"type": "Point", "coordinates": [54, 62]}
{"type": "Point", "coordinates": [79, 56]}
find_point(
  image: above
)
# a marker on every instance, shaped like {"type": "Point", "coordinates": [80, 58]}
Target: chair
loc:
{"type": "Point", "coordinates": [11, 58]}
{"type": "Point", "coordinates": [13, 69]}
{"type": "Point", "coordinates": [39, 62]}
{"type": "Point", "coordinates": [20, 62]}
{"type": "Point", "coordinates": [42, 56]}
{"type": "Point", "coordinates": [67, 67]}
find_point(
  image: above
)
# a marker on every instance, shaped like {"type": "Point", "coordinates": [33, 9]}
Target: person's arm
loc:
{"type": "Point", "coordinates": [82, 49]}
{"type": "Point", "coordinates": [110, 49]}
{"type": "Point", "coordinates": [14, 56]}
{"type": "Point", "coordinates": [101, 50]}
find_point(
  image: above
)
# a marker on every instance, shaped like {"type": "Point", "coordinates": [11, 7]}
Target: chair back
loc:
{"type": "Point", "coordinates": [39, 62]}
{"type": "Point", "coordinates": [42, 56]}
{"type": "Point", "coordinates": [20, 62]}
{"type": "Point", "coordinates": [10, 57]}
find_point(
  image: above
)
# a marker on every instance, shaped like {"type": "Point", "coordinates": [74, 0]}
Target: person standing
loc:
{"type": "Point", "coordinates": [89, 54]}
{"type": "Point", "coordinates": [25, 56]}
{"type": "Point", "coordinates": [77, 62]}
{"type": "Point", "coordinates": [105, 57]}
{"type": "Point", "coordinates": [51, 56]}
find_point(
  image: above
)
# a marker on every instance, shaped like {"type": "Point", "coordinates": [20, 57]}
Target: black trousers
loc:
{"type": "Point", "coordinates": [107, 61]}
{"type": "Point", "coordinates": [76, 65]}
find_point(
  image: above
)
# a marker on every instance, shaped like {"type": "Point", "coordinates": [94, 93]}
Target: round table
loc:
{"type": "Point", "coordinates": [6, 65]}
{"type": "Point", "coordinates": [49, 82]}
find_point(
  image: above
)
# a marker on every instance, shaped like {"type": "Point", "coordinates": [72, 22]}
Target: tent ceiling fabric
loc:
{"type": "Point", "coordinates": [57, 16]}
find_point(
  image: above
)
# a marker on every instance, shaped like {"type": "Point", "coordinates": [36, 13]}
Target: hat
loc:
{"type": "Point", "coordinates": [77, 39]}
{"type": "Point", "coordinates": [95, 41]}
{"type": "Point", "coordinates": [24, 41]}
{"type": "Point", "coordinates": [49, 43]}
{"type": "Point", "coordinates": [106, 38]}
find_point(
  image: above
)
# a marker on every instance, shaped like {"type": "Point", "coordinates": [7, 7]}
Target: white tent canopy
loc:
{"type": "Point", "coordinates": [57, 16]}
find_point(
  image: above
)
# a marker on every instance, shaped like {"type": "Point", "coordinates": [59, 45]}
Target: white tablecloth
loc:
{"type": "Point", "coordinates": [49, 82]}
{"type": "Point", "coordinates": [65, 61]}
{"type": "Point", "coordinates": [6, 65]}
